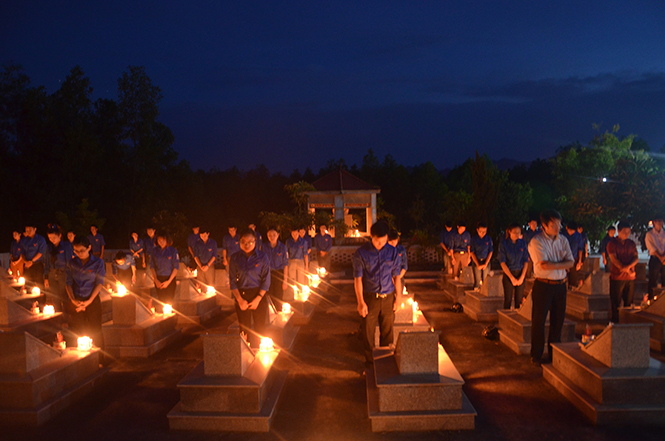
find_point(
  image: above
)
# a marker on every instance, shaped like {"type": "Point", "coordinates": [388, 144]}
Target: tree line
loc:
{"type": "Point", "coordinates": [66, 157]}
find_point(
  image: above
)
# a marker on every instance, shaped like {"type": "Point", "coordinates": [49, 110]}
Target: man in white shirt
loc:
{"type": "Point", "coordinates": [655, 241]}
{"type": "Point", "coordinates": [551, 257]}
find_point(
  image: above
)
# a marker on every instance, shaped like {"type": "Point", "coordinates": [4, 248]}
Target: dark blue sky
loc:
{"type": "Point", "coordinates": [293, 84]}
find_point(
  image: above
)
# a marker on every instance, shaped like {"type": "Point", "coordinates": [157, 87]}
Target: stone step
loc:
{"type": "Point", "coordinates": [657, 331]}
{"type": "Point", "coordinates": [142, 334]}
{"type": "Point", "coordinates": [197, 310]}
{"type": "Point", "coordinates": [515, 331]}
{"type": "Point", "coordinates": [482, 308]}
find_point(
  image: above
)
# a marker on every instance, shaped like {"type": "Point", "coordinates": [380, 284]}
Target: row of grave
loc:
{"type": "Point", "coordinates": [611, 378]}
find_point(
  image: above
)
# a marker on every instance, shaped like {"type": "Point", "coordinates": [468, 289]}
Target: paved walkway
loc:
{"type": "Point", "coordinates": [324, 398]}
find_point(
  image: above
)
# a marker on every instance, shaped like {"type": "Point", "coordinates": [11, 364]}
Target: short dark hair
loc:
{"type": "Point", "coordinates": [323, 225]}
{"type": "Point", "coordinates": [393, 235]}
{"type": "Point", "coordinates": [94, 225]}
{"type": "Point", "coordinates": [54, 229]}
{"type": "Point", "coordinates": [273, 227]}
{"type": "Point", "coordinates": [164, 234]}
{"type": "Point", "coordinates": [657, 217]}
{"type": "Point", "coordinates": [482, 224]}
{"type": "Point", "coordinates": [120, 255]}
{"type": "Point", "coordinates": [571, 225]}
{"type": "Point", "coordinates": [32, 225]}
{"type": "Point", "coordinates": [549, 215]}
{"type": "Point", "coordinates": [247, 232]}
{"type": "Point", "coordinates": [511, 227]}
{"type": "Point", "coordinates": [461, 224]}
{"type": "Point", "coordinates": [81, 240]}
{"type": "Point", "coordinates": [379, 229]}
{"type": "Point", "coordinates": [622, 225]}
{"type": "Point", "coordinates": [203, 230]}
{"type": "Point", "coordinates": [448, 224]}
{"type": "Point", "coordinates": [611, 227]}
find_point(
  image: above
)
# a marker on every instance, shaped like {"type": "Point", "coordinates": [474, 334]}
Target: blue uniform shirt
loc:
{"type": "Point", "coordinates": [308, 241]}
{"type": "Point", "coordinates": [460, 242]}
{"type": "Point", "coordinates": [529, 234]}
{"type": "Point", "coordinates": [192, 240]}
{"type": "Point", "coordinates": [59, 257]}
{"type": "Point", "coordinates": [482, 247]}
{"type": "Point", "coordinates": [246, 272]}
{"type": "Point", "coordinates": [84, 278]}
{"type": "Point", "coordinates": [205, 251]}
{"type": "Point", "coordinates": [575, 242]}
{"type": "Point", "coordinates": [297, 249]}
{"type": "Point", "coordinates": [33, 246]}
{"type": "Point", "coordinates": [129, 262]}
{"type": "Point", "coordinates": [259, 241]}
{"type": "Point", "coordinates": [277, 256]}
{"type": "Point", "coordinates": [16, 249]}
{"type": "Point", "coordinates": [164, 261]}
{"type": "Point", "coordinates": [231, 244]}
{"type": "Point", "coordinates": [96, 242]}
{"type": "Point", "coordinates": [404, 265]}
{"type": "Point", "coordinates": [376, 267]}
{"type": "Point", "coordinates": [446, 238]}
{"type": "Point", "coordinates": [137, 245]}
{"type": "Point", "coordinates": [603, 246]}
{"type": "Point", "coordinates": [323, 242]}
{"type": "Point", "coordinates": [514, 255]}
{"type": "Point", "coordinates": [150, 244]}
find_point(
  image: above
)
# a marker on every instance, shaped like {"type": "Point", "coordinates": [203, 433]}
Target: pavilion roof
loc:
{"type": "Point", "coordinates": [341, 181]}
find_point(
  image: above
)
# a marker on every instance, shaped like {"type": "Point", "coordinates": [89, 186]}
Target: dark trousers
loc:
{"type": "Point", "coordinates": [275, 291]}
{"type": "Point", "coordinates": [35, 273]}
{"type": "Point", "coordinates": [253, 319]}
{"type": "Point", "coordinates": [621, 290]}
{"type": "Point", "coordinates": [547, 298]}
{"type": "Point", "coordinates": [56, 295]}
{"type": "Point", "coordinates": [656, 274]}
{"type": "Point", "coordinates": [510, 291]}
{"type": "Point", "coordinates": [379, 312]}
{"type": "Point", "coordinates": [86, 323]}
{"type": "Point", "coordinates": [323, 261]}
{"type": "Point", "coordinates": [165, 295]}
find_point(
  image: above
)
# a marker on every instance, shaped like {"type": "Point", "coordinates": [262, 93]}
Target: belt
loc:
{"type": "Point", "coordinates": [459, 252]}
{"type": "Point", "coordinates": [379, 295]}
{"type": "Point", "coordinates": [552, 282]}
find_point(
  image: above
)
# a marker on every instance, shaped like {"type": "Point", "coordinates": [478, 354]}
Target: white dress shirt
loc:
{"type": "Point", "coordinates": [544, 248]}
{"type": "Point", "coordinates": [655, 242]}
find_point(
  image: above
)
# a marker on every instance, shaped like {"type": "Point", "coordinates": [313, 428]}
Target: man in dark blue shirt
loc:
{"type": "Point", "coordinates": [34, 249]}
{"type": "Point", "coordinates": [192, 240]}
{"type": "Point", "coordinates": [97, 242]}
{"type": "Point", "coordinates": [446, 242]}
{"type": "Point", "coordinates": [298, 258]}
{"type": "Point", "coordinates": [230, 245]}
{"type": "Point", "coordinates": [482, 249]}
{"type": "Point", "coordinates": [376, 267]}
{"type": "Point", "coordinates": [249, 279]}
{"type": "Point", "coordinates": [575, 241]}
{"type": "Point", "coordinates": [279, 266]}
{"type": "Point", "coordinates": [205, 255]}
{"type": "Point", "coordinates": [461, 243]}
{"type": "Point", "coordinates": [16, 255]}
{"type": "Point", "coordinates": [323, 242]}
{"type": "Point", "coordinates": [611, 232]}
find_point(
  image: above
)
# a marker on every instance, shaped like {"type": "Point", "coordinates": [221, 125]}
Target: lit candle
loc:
{"type": "Point", "coordinates": [36, 291]}
{"type": "Point", "coordinates": [305, 293]}
{"type": "Point", "coordinates": [266, 345]}
{"type": "Point", "coordinates": [211, 290]}
{"type": "Point", "coordinates": [194, 273]}
{"type": "Point", "coordinates": [122, 291]}
{"type": "Point", "coordinates": [35, 308]}
{"type": "Point", "coordinates": [286, 308]}
{"type": "Point", "coordinates": [21, 281]}
{"type": "Point", "coordinates": [415, 311]}
{"type": "Point", "coordinates": [49, 310]}
{"type": "Point", "coordinates": [168, 309]}
{"type": "Point", "coordinates": [84, 343]}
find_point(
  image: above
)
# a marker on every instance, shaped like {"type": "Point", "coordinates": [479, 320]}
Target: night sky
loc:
{"type": "Point", "coordinates": [293, 84]}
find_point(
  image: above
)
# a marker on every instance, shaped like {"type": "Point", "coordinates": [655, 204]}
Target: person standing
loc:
{"type": "Point", "coordinates": [34, 249]}
{"type": "Point", "coordinates": [575, 243]}
{"type": "Point", "coordinates": [323, 242]}
{"type": "Point", "coordinates": [461, 242]}
{"type": "Point", "coordinates": [298, 258]}
{"type": "Point", "coordinates": [611, 232]}
{"type": "Point", "coordinates": [584, 242]}
{"type": "Point", "coordinates": [308, 240]}
{"type": "Point", "coordinates": [481, 249]}
{"type": "Point", "coordinates": [205, 256]}
{"type": "Point", "coordinates": [165, 265]}
{"type": "Point", "coordinates": [623, 254]}
{"type": "Point", "coordinates": [59, 257]}
{"type": "Point", "coordinates": [16, 255]}
{"type": "Point", "coordinates": [655, 242]}
{"type": "Point", "coordinates": [259, 238]}
{"type": "Point", "coordinates": [192, 240]}
{"type": "Point", "coordinates": [376, 267]}
{"type": "Point", "coordinates": [552, 258]}
{"type": "Point", "coordinates": [514, 259]}
{"type": "Point", "coordinates": [96, 242]}
{"type": "Point", "coordinates": [531, 231]}
{"type": "Point", "coordinates": [137, 247]}
{"type": "Point", "coordinates": [230, 244]}
{"type": "Point", "coordinates": [85, 279]}
{"type": "Point", "coordinates": [249, 278]}
{"type": "Point", "coordinates": [393, 239]}
{"type": "Point", "coordinates": [150, 242]}
{"type": "Point", "coordinates": [446, 243]}
{"type": "Point", "coordinates": [279, 267]}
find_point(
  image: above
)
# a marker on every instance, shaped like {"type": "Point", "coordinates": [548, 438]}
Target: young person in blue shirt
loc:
{"type": "Point", "coordinates": [376, 269]}
{"type": "Point", "coordinates": [149, 242]}
{"type": "Point", "coordinates": [96, 242]}
{"type": "Point", "coordinates": [249, 279]}
{"type": "Point", "coordinates": [575, 242]}
{"type": "Point", "coordinates": [611, 232]}
{"type": "Point", "coordinates": [85, 279]}
{"type": "Point", "coordinates": [193, 239]}
{"type": "Point", "coordinates": [230, 244]}
{"type": "Point", "coordinates": [259, 238]}
{"type": "Point", "coordinates": [481, 249]}
{"type": "Point", "coordinates": [16, 255]}
{"type": "Point", "coordinates": [124, 269]}
{"type": "Point", "coordinates": [205, 256]}
{"type": "Point", "coordinates": [34, 250]}
{"type": "Point", "coordinates": [514, 259]}
{"type": "Point", "coordinates": [298, 258]}
{"type": "Point", "coordinates": [461, 242]}
{"type": "Point", "coordinates": [323, 243]}
{"type": "Point", "coordinates": [137, 247]}
{"type": "Point", "coordinates": [584, 241]}
{"type": "Point", "coordinates": [446, 242]}
{"type": "Point", "coordinates": [308, 240]}
{"type": "Point", "coordinates": [59, 256]}
{"type": "Point", "coordinates": [393, 239]}
{"type": "Point", "coordinates": [279, 266]}
{"type": "Point", "coordinates": [165, 265]}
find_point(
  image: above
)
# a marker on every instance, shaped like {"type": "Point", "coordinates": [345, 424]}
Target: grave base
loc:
{"type": "Point", "coordinates": [197, 310]}
{"type": "Point", "coordinates": [515, 331]}
{"type": "Point", "coordinates": [657, 331]}
{"type": "Point", "coordinates": [482, 308]}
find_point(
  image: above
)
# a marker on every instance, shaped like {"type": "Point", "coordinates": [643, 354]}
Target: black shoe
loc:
{"type": "Point", "coordinates": [536, 362]}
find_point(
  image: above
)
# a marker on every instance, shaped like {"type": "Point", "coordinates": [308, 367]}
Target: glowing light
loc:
{"type": "Point", "coordinates": [84, 343]}
{"type": "Point", "coordinates": [405, 292]}
{"type": "Point", "coordinates": [266, 345]}
{"type": "Point", "coordinates": [152, 309]}
{"type": "Point", "coordinates": [356, 233]}
{"type": "Point", "coordinates": [194, 273]}
{"type": "Point", "coordinates": [10, 272]}
{"type": "Point", "coordinates": [414, 307]}
{"type": "Point", "coordinates": [21, 281]}
{"type": "Point", "coordinates": [314, 280]}
{"type": "Point", "coordinates": [410, 301]}
{"type": "Point", "coordinates": [604, 179]}
{"type": "Point", "coordinates": [35, 308]}
{"type": "Point", "coordinates": [61, 345]}
{"type": "Point", "coordinates": [304, 295]}
{"type": "Point", "coordinates": [322, 272]}
{"type": "Point", "coordinates": [286, 308]}
{"type": "Point", "coordinates": [168, 309]}
{"type": "Point", "coordinates": [122, 291]}
{"type": "Point", "coordinates": [211, 290]}
{"type": "Point", "coordinates": [49, 310]}
{"type": "Point", "coordinates": [36, 291]}
{"type": "Point", "coordinates": [265, 359]}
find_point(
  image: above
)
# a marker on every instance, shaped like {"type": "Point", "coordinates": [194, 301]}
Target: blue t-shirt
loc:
{"type": "Point", "coordinates": [231, 244]}
{"type": "Point", "coordinates": [96, 242]}
{"type": "Point", "coordinates": [205, 251]}
{"type": "Point", "coordinates": [482, 247]}
{"type": "Point", "coordinates": [297, 249]}
{"type": "Point", "coordinates": [246, 272]}
{"type": "Point", "coordinates": [323, 242]}
{"type": "Point", "coordinates": [83, 278]}
{"type": "Point", "coordinates": [514, 255]}
{"type": "Point", "coordinates": [461, 242]}
{"type": "Point", "coordinates": [376, 267]}
{"type": "Point", "coordinates": [165, 260]}
{"type": "Point", "coordinates": [575, 242]}
{"type": "Point", "coordinates": [16, 249]}
{"type": "Point", "coordinates": [150, 244]}
{"type": "Point", "coordinates": [277, 256]}
{"type": "Point", "coordinates": [59, 257]}
{"type": "Point", "coordinates": [137, 245]}
{"type": "Point", "coordinates": [404, 265]}
{"type": "Point", "coordinates": [129, 262]}
{"type": "Point", "coordinates": [446, 238]}
{"type": "Point", "coordinates": [192, 240]}
{"type": "Point", "coordinates": [33, 246]}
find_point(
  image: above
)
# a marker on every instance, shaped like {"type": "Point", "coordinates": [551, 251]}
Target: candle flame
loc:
{"type": "Point", "coordinates": [122, 291]}
{"type": "Point", "coordinates": [36, 291]}
{"type": "Point", "coordinates": [266, 345]}
{"type": "Point", "coordinates": [21, 280]}
{"type": "Point", "coordinates": [84, 343]}
{"type": "Point", "coordinates": [168, 309]}
{"type": "Point", "coordinates": [211, 290]}
{"type": "Point", "coordinates": [286, 308]}
{"type": "Point", "coordinates": [49, 310]}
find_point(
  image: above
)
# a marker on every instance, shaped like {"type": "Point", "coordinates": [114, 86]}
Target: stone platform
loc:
{"type": "Point", "coordinates": [15, 318]}
{"type": "Point", "coordinates": [280, 329]}
{"type": "Point", "coordinates": [611, 380]}
{"type": "Point", "coordinates": [38, 382]}
{"type": "Point", "coordinates": [515, 328]}
{"type": "Point", "coordinates": [482, 305]}
{"type": "Point", "coordinates": [455, 290]}
{"type": "Point", "coordinates": [416, 388]}
{"type": "Point", "coordinates": [406, 320]}
{"type": "Point", "coordinates": [232, 390]}
{"type": "Point", "coordinates": [137, 332]}
{"type": "Point", "coordinates": [592, 300]}
{"type": "Point", "coordinates": [194, 307]}
{"type": "Point", "coordinates": [654, 315]}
